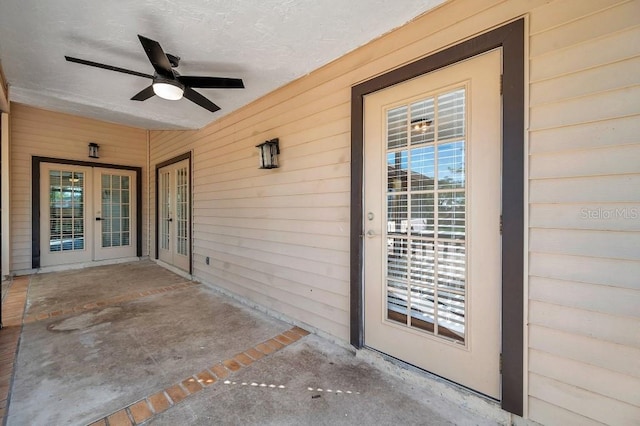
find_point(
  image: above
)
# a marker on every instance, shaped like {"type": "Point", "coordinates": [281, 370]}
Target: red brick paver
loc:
{"type": "Point", "coordinates": [141, 411]}
{"type": "Point", "coordinates": [159, 402]}
{"type": "Point", "coordinates": [119, 418]}
{"type": "Point", "coordinates": [12, 313]}
{"type": "Point", "coordinates": [176, 393]}
{"type": "Point", "coordinates": [206, 378]}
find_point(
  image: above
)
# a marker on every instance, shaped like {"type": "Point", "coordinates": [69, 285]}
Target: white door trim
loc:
{"type": "Point", "coordinates": [36, 161]}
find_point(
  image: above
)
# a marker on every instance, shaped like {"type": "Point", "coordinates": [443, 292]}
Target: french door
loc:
{"type": "Point", "coordinates": [174, 225]}
{"type": "Point", "coordinates": [87, 214]}
{"type": "Point", "coordinates": [432, 246]}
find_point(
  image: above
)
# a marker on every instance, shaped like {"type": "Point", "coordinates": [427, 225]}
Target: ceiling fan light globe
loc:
{"type": "Point", "coordinates": [168, 91]}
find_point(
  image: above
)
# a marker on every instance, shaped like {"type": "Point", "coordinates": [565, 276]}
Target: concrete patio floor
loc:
{"type": "Point", "coordinates": [136, 344]}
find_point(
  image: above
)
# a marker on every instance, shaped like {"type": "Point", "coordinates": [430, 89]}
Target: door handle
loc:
{"type": "Point", "coordinates": [98, 218]}
{"type": "Point", "coordinates": [370, 233]}
{"type": "Point", "coordinates": [170, 220]}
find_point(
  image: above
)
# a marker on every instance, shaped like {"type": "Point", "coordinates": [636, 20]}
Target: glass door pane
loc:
{"type": "Point", "coordinates": [426, 215]}
{"type": "Point", "coordinates": [116, 210]}
{"type": "Point", "coordinates": [182, 212]}
{"type": "Point", "coordinates": [66, 210]}
{"type": "Point", "coordinates": [165, 210]}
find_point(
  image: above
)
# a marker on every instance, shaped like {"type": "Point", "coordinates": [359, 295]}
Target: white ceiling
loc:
{"type": "Point", "coordinates": [267, 43]}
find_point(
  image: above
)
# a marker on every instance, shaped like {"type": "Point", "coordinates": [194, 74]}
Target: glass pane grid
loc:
{"type": "Point", "coordinates": [164, 212]}
{"type": "Point", "coordinates": [426, 215]}
{"type": "Point", "coordinates": [182, 199]}
{"type": "Point", "coordinates": [115, 211]}
{"type": "Point", "coordinates": [66, 209]}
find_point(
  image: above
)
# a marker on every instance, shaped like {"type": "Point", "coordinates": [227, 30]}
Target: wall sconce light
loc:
{"type": "Point", "coordinates": [269, 151]}
{"type": "Point", "coordinates": [93, 150]}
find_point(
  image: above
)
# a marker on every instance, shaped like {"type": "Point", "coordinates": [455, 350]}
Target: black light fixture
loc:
{"type": "Point", "coordinates": [93, 150]}
{"type": "Point", "coordinates": [269, 151]}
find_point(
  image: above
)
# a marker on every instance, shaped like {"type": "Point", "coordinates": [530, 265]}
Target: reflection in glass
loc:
{"type": "Point", "coordinates": [423, 162]}
{"type": "Point", "coordinates": [397, 120]}
{"type": "Point", "coordinates": [397, 167]}
{"type": "Point", "coordinates": [115, 210]}
{"type": "Point", "coordinates": [397, 222]}
{"type": "Point", "coordinates": [66, 210]}
{"type": "Point", "coordinates": [426, 215]}
{"type": "Point", "coordinates": [451, 165]}
{"type": "Point", "coordinates": [451, 115]}
{"type": "Point", "coordinates": [182, 197]}
{"type": "Point", "coordinates": [422, 118]}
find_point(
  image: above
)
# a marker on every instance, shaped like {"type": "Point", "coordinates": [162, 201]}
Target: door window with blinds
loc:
{"type": "Point", "coordinates": [86, 214]}
{"type": "Point", "coordinates": [116, 210]}
{"type": "Point", "coordinates": [66, 210]}
{"type": "Point", "coordinates": [182, 211]}
{"type": "Point", "coordinates": [426, 208]}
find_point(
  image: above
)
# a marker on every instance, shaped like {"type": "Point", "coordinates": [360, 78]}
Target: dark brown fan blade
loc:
{"type": "Point", "coordinates": [211, 82]}
{"type": "Point", "coordinates": [157, 57]}
{"type": "Point", "coordinates": [106, 67]}
{"type": "Point", "coordinates": [144, 94]}
{"type": "Point", "coordinates": [197, 98]}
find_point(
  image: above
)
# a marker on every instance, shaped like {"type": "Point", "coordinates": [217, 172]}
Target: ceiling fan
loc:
{"type": "Point", "coordinates": [167, 82]}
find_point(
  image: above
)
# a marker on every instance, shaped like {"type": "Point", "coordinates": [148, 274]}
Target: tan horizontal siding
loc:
{"type": "Point", "coordinates": [576, 29]}
{"type": "Point", "coordinates": [609, 356]}
{"type": "Point", "coordinates": [280, 238]}
{"type": "Point", "coordinates": [584, 212]}
{"type": "Point", "coordinates": [338, 243]}
{"type": "Point", "coordinates": [602, 244]}
{"type": "Point", "coordinates": [608, 327]}
{"type": "Point", "coordinates": [584, 82]}
{"type": "Point", "coordinates": [601, 189]}
{"type": "Point", "coordinates": [598, 217]}
{"type": "Point", "coordinates": [580, 56]}
{"type": "Point", "coordinates": [321, 316]}
{"type": "Point", "coordinates": [584, 376]}
{"type": "Point", "coordinates": [599, 134]}
{"type": "Point", "coordinates": [548, 413]}
{"type": "Point", "coordinates": [591, 270]}
{"type": "Point", "coordinates": [588, 404]}
{"type": "Point", "coordinates": [608, 160]}
{"type": "Point", "coordinates": [37, 132]}
{"type": "Point", "coordinates": [607, 299]}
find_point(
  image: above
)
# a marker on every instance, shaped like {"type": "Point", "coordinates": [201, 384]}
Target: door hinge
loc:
{"type": "Point", "coordinates": [500, 224]}
{"type": "Point", "coordinates": [501, 80]}
{"type": "Point", "coordinates": [500, 363]}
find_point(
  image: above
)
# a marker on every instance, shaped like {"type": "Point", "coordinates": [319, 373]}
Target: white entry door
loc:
{"type": "Point", "coordinates": [115, 213]}
{"type": "Point", "coordinates": [174, 225]}
{"type": "Point", "coordinates": [86, 214]}
{"type": "Point", "coordinates": [432, 222]}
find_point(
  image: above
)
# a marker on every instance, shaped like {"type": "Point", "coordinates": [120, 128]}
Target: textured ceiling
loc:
{"type": "Point", "coordinates": [267, 43]}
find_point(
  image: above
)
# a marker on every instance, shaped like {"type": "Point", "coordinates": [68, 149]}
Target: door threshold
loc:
{"type": "Point", "coordinates": [70, 266]}
{"type": "Point", "coordinates": [480, 404]}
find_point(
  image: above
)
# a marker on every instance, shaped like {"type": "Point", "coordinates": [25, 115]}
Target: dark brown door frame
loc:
{"type": "Point", "coordinates": [510, 38]}
{"type": "Point", "coordinates": [185, 156]}
{"type": "Point", "coordinates": [35, 200]}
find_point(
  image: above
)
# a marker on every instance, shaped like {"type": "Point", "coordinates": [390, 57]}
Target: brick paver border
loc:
{"type": "Point", "coordinates": [149, 406]}
{"type": "Point", "coordinates": [12, 313]}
